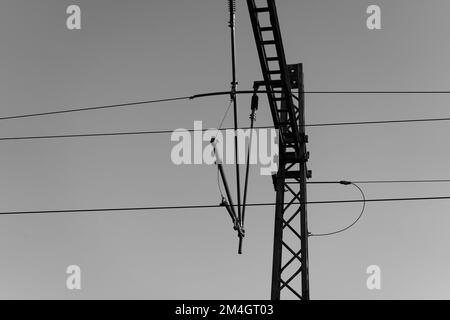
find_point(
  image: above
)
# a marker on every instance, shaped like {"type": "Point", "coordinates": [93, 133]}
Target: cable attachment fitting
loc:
{"type": "Point", "coordinates": [236, 224]}
{"type": "Point", "coordinates": [214, 143]}
{"type": "Point", "coordinates": [217, 153]}
{"type": "Point", "coordinates": [224, 202]}
{"type": "Point", "coordinates": [240, 230]}
{"type": "Point", "coordinates": [233, 90]}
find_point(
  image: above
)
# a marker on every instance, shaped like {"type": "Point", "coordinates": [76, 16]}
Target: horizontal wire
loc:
{"type": "Point", "coordinates": [222, 93]}
{"type": "Point", "coordinates": [380, 92]}
{"type": "Point", "coordinates": [357, 123]}
{"type": "Point", "coordinates": [210, 206]}
{"type": "Point", "coordinates": [121, 105]}
{"type": "Point", "coordinates": [86, 135]}
{"type": "Point", "coordinates": [403, 181]}
{"type": "Point", "coordinates": [110, 134]}
{"type": "Point", "coordinates": [382, 181]}
{"type": "Point", "coordinates": [202, 95]}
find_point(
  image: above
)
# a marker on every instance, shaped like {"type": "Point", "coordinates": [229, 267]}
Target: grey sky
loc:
{"type": "Point", "coordinates": [135, 50]}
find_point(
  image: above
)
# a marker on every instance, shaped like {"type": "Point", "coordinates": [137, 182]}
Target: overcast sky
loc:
{"type": "Point", "coordinates": [136, 50]}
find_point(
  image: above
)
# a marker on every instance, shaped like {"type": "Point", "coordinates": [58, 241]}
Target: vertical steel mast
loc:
{"type": "Point", "coordinates": [290, 273]}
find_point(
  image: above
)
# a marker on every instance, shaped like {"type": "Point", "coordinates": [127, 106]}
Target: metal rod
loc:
{"type": "Point", "coordinates": [232, 25]}
{"type": "Point", "coordinates": [241, 238]}
{"type": "Point", "coordinates": [227, 189]}
{"type": "Point", "coordinates": [254, 107]}
{"type": "Point", "coordinates": [247, 169]}
{"type": "Point", "coordinates": [229, 204]}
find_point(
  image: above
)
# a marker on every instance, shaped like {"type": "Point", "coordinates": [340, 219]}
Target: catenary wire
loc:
{"type": "Point", "coordinates": [384, 181]}
{"type": "Point", "coordinates": [345, 92]}
{"type": "Point", "coordinates": [202, 95]}
{"type": "Point", "coordinates": [111, 106]}
{"type": "Point", "coordinates": [112, 134]}
{"type": "Point", "coordinates": [211, 206]}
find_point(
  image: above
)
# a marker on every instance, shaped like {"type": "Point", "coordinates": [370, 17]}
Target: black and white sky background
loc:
{"type": "Point", "coordinates": [136, 50]}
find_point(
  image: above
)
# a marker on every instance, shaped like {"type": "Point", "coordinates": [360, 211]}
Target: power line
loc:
{"type": "Point", "coordinates": [211, 206]}
{"type": "Point", "coordinates": [111, 134]}
{"type": "Point", "coordinates": [354, 222]}
{"type": "Point", "coordinates": [404, 181]}
{"type": "Point", "coordinates": [121, 105]}
{"type": "Point", "coordinates": [86, 135]}
{"type": "Point", "coordinates": [380, 92]}
{"type": "Point", "coordinates": [202, 95]}
{"type": "Point", "coordinates": [111, 106]}
{"type": "Point", "coordinates": [357, 123]}
{"type": "Point", "coordinates": [222, 93]}
{"type": "Point", "coordinates": [384, 181]}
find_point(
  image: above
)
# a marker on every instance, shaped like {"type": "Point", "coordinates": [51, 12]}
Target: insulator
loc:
{"type": "Point", "coordinates": [255, 101]}
{"type": "Point", "coordinates": [232, 6]}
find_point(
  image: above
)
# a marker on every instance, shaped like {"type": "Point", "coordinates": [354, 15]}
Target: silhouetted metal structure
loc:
{"type": "Point", "coordinates": [290, 252]}
{"type": "Point", "coordinates": [234, 83]}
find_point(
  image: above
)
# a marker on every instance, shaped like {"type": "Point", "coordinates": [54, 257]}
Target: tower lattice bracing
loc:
{"type": "Point", "coordinates": [285, 93]}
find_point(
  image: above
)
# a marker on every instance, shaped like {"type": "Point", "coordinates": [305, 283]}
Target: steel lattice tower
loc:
{"type": "Point", "coordinates": [290, 253]}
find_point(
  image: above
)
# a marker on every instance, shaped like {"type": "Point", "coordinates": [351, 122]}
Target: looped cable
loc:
{"type": "Point", "coordinates": [355, 222]}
